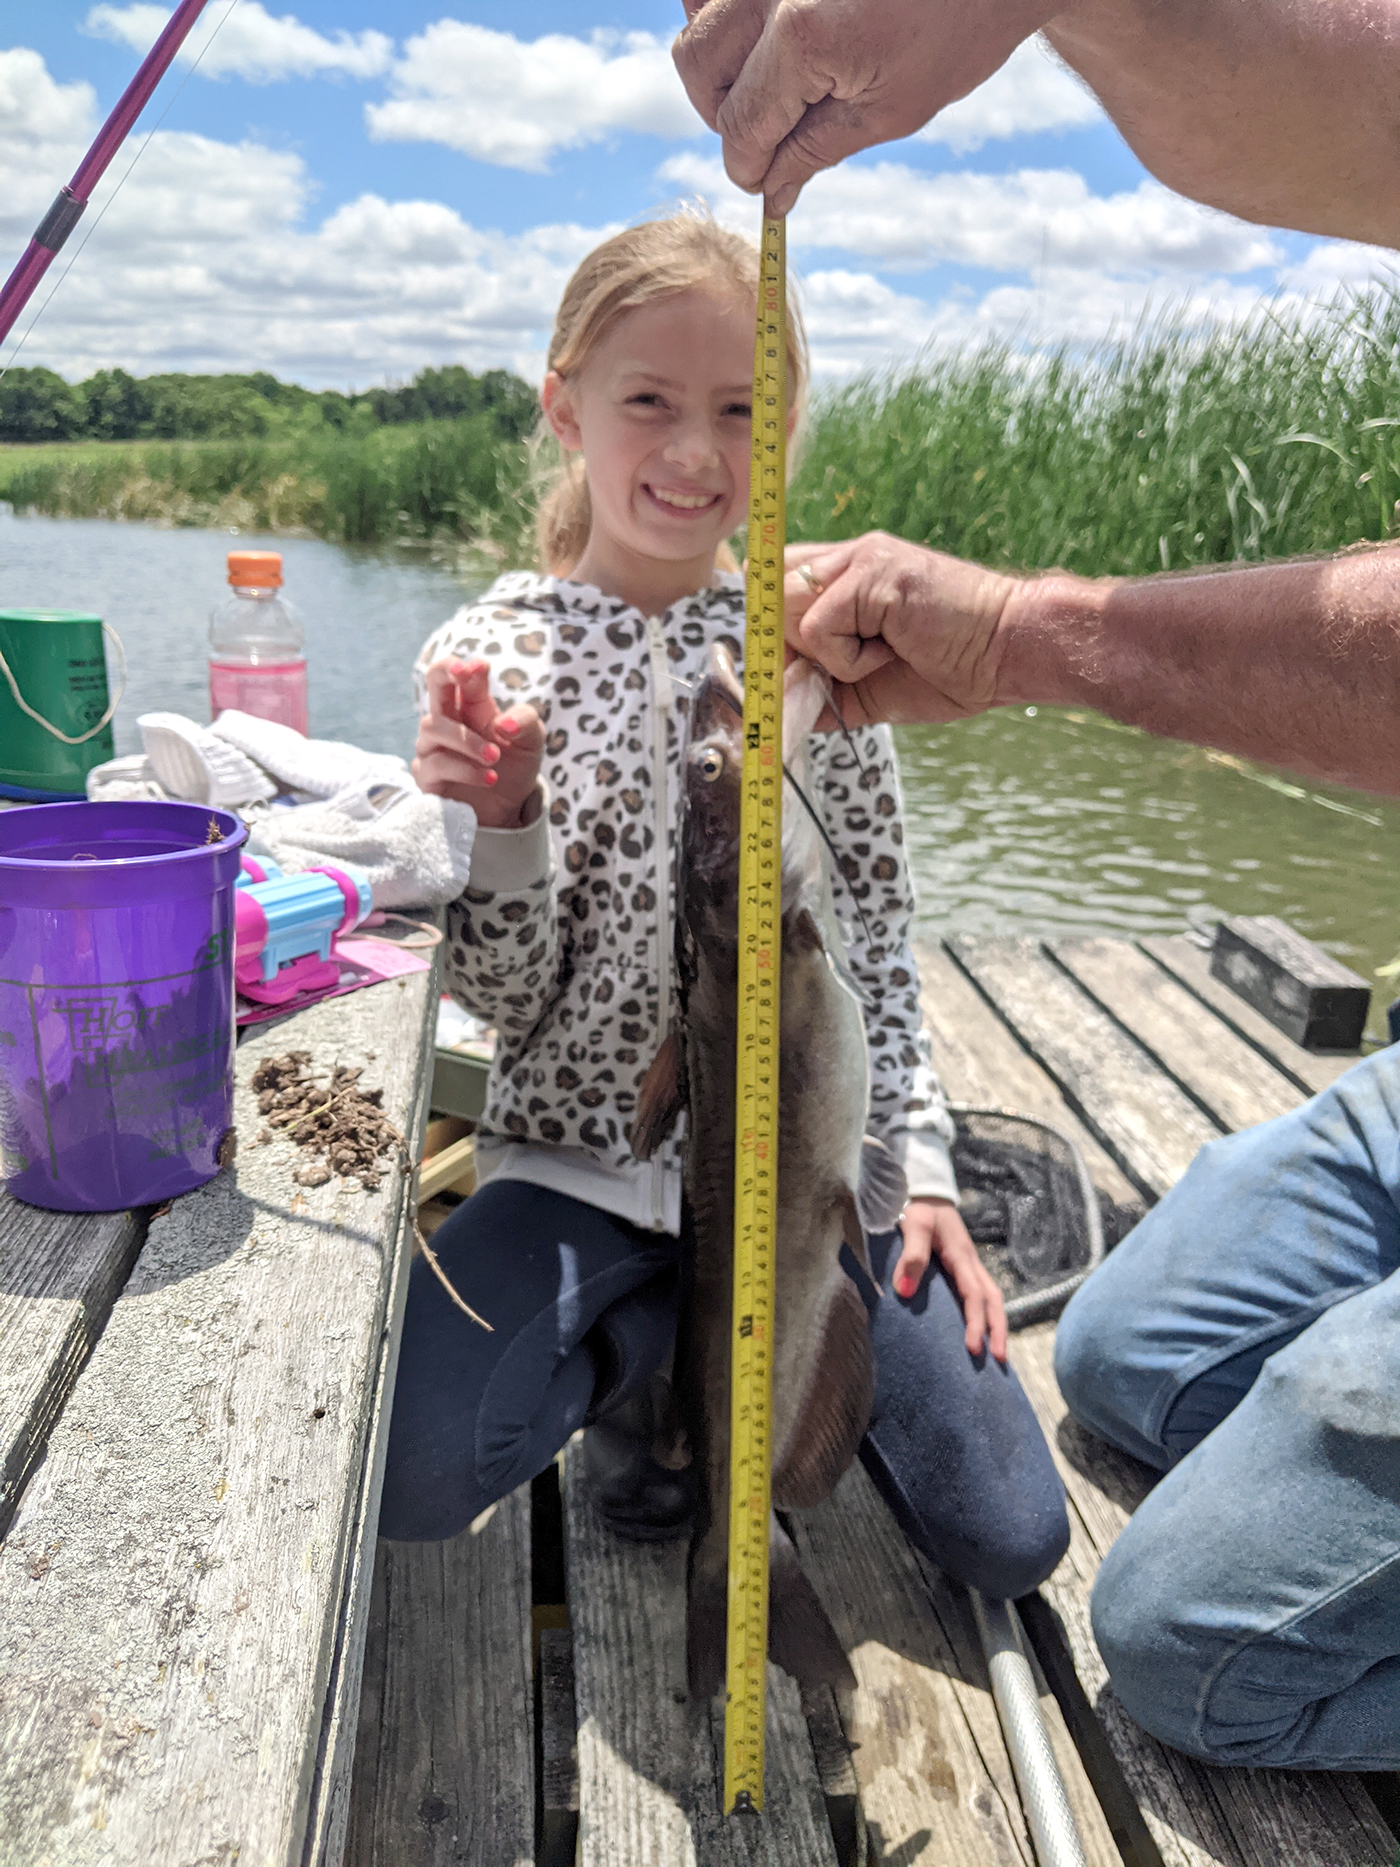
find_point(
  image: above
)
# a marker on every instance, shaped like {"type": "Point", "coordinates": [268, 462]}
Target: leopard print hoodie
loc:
{"type": "Point", "coordinates": [563, 937]}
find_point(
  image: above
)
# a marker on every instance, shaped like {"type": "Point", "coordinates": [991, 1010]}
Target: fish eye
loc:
{"type": "Point", "coordinates": [710, 764]}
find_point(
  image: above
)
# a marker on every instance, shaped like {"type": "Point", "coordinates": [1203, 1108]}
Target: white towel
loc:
{"type": "Point", "coordinates": [416, 849]}
{"type": "Point", "coordinates": [312, 767]}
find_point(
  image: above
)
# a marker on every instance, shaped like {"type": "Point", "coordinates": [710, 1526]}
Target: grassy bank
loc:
{"type": "Point", "coordinates": [454, 479]}
{"type": "Point", "coordinates": [1166, 450]}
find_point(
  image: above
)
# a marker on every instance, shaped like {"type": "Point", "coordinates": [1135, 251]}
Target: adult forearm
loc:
{"type": "Point", "coordinates": [1281, 111]}
{"type": "Point", "coordinates": [1295, 664]}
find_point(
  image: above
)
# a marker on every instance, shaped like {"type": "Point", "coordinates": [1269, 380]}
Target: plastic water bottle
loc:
{"type": "Point", "coordinates": [257, 658]}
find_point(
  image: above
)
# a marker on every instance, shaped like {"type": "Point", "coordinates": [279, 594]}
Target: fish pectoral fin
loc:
{"type": "Point", "coordinates": [801, 1639]}
{"type": "Point", "coordinates": [883, 1190]}
{"type": "Point", "coordinates": [661, 1096]}
{"type": "Point", "coordinates": [835, 1411]}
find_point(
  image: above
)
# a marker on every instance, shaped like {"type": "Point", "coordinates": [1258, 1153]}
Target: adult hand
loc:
{"type": "Point", "coordinates": [906, 633]}
{"type": "Point", "coordinates": [793, 86]}
{"type": "Point", "coordinates": [933, 1228]}
{"type": "Point", "coordinates": [469, 749]}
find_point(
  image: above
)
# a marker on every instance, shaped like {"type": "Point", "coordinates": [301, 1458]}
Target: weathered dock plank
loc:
{"type": "Point", "coordinates": [651, 1762]}
{"type": "Point", "coordinates": [1234, 1084]}
{"type": "Point", "coordinates": [59, 1277]}
{"type": "Point", "coordinates": [980, 1061]}
{"type": "Point", "coordinates": [1149, 1125]}
{"type": "Point", "coordinates": [445, 1763]}
{"type": "Point", "coordinates": [1188, 963]}
{"type": "Point", "coordinates": [175, 1588]}
{"type": "Point", "coordinates": [935, 1781]}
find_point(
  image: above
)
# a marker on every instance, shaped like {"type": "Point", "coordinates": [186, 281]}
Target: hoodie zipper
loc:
{"type": "Point", "coordinates": [660, 789]}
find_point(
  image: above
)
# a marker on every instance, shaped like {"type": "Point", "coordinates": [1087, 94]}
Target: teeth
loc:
{"type": "Point", "coordinates": [687, 502]}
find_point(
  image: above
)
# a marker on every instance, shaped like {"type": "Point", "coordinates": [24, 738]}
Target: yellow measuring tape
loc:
{"type": "Point", "coordinates": [756, 1124]}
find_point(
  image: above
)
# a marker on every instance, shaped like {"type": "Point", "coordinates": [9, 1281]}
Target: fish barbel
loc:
{"type": "Point", "coordinates": [834, 1182]}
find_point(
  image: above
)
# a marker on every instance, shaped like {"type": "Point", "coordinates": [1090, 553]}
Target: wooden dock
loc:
{"type": "Point", "coordinates": [192, 1410]}
{"type": "Point", "coordinates": [1137, 1052]}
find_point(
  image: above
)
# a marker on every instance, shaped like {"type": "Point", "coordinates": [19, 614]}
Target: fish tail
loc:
{"type": "Point", "coordinates": [801, 1639]}
{"type": "Point", "coordinates": [706, 1615]}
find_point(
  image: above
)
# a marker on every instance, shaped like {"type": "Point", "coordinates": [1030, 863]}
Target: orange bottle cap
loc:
{"type": "Point", "coordinates": [260, 570]}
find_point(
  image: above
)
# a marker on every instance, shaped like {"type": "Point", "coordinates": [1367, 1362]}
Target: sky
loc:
{"type": "Point", "coordinates": [350, 192]}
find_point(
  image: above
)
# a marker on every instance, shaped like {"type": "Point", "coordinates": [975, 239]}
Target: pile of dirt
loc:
{"type": "Point", "coordinates": [341, 1125]}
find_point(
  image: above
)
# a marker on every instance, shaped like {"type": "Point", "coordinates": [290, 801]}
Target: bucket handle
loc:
{"type": "Point", "coordinates": [48, 725]}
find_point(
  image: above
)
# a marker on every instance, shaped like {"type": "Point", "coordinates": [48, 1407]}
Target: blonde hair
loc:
{"type": "Point", "coordinates": [658, 259]}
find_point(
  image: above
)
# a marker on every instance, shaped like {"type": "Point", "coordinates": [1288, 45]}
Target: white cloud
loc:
{"type": "Point", "coordinates": [44, 128]}
{"type": "Point", "coordinates": [211, 259]}
{"type": "Point", "coordinates": [856, 322]}
{"type": "Point", "coordinates": [517, 103]}
{"type": "Point", "coordinates": [203, 262]}
{"type": "Point", "coordinates": [248, 42]}
{"type": "Point", "coordinates": [1341, 263]}
{"type": "Point", "coordinates": [1032, 91]}
{"type": "Point", "coordinates": [1035, 218]}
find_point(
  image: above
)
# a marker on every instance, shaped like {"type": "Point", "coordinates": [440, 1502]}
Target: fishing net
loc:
{"type": "Point", "coordinates": [1030, 1205]}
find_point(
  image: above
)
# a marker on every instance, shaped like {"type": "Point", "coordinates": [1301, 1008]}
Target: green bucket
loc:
{"type": "Point", "coordinates": [55, 717]}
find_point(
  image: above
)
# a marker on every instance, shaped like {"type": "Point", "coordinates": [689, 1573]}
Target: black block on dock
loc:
{"type": "Point", "coordinates": [1317, 1001]}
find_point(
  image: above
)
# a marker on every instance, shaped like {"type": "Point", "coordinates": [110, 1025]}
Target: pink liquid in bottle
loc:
{"type": "Point", "coordinates": [273, 690]}
{"type": "Point", "coordinates": [256, 642]}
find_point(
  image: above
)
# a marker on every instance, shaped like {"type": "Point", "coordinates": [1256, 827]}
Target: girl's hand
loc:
{"type": "Point", "coordinates": [934, 1228]}
{"type": "Point", "coordinates": [470, 750]}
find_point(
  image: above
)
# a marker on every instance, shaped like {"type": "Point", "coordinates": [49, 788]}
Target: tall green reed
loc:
{"type": "Point", "coordinates": [1168, 450]}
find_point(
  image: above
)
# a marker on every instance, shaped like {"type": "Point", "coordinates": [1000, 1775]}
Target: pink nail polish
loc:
{"type": "Point", "coordinates": [512, 727]}
{"type": "Point", "coordinates": [489, 777]}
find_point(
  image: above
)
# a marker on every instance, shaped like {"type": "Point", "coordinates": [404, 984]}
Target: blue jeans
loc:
{"type": "Point", "coordinates": [1245, 1340]}
{"type": "Point", "coordinates": [583, 1308]}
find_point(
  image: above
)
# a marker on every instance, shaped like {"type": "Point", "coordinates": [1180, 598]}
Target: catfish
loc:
{"type": "Point", "coordinates": [834, 1181]}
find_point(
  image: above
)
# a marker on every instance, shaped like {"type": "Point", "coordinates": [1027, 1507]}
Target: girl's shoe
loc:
{"type": "Point", "coordinates": [639, 1469]}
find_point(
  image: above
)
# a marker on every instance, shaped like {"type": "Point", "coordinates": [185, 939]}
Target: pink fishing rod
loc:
{"type": "Point", "coordinates": [67, 210]}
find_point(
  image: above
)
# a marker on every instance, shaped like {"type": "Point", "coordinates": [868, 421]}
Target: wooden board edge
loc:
{"type": "Point", "coordinates": [1308, 1073]}
{"type": "Point", "coordinates": [67, 1359]}
{"type": "Point", "coordinates": [1055, 952]}
{"type": "Point", "coordinates": [328, 1810]}
{"type": "Point", "coordinates": [1142, 1187]}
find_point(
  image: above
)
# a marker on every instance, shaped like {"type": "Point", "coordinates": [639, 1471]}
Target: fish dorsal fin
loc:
{"type": "Point", "coordinates": [835, 1410]}
{"type": "Point", "coordinates": [883, 1190]}
{"type": "Point", "coordinates": [661, 1096]}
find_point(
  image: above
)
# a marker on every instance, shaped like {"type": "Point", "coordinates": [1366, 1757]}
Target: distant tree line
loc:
{"type": "Point", "coordinates": [39, 405]}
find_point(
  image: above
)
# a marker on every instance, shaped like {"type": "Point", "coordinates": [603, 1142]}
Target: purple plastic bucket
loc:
{"type": "Point", "coordinates": [116, 1000]}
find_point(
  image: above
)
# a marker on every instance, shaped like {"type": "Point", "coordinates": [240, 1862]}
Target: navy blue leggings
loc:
{"type": "Point", "coordinates": [583, 1310]}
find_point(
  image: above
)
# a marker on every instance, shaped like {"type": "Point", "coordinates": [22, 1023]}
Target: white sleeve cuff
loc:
{"type": "Point", "coordinates": [928, 1166]}
{"type": "Point", "coordinates": [504, 862]}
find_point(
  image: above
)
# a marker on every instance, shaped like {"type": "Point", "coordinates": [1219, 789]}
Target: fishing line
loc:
{"type": "Point", "coordinates": [92, 229]}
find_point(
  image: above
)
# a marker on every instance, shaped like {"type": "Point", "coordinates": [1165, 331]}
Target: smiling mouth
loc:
{"type": "Point", "coordinates": [684, 502]}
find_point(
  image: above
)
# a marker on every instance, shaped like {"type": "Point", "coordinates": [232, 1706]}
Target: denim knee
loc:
{"type": "Point", "coordinates": [1158, 1681]}
{"type": "Point", "coordinates": [1091, 1367]}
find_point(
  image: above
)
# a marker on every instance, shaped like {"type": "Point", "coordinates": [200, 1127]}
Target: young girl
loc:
{"type": "Point", "coordinates": [556, 706]}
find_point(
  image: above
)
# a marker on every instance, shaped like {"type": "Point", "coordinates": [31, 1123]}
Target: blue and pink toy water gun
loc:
{"type": "Point", "coordinates": [284, 926]}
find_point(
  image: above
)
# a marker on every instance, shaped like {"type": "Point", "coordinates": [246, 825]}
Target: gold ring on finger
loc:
{"type": "Point", "coordinates": [811, 579]}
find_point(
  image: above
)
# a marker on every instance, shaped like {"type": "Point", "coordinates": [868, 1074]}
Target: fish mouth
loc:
{"type": "Point", "coordinates": [719, 699]}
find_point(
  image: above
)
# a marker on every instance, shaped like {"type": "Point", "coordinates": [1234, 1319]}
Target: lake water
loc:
{"type": "Point", "coordinates": [1024, 821]}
